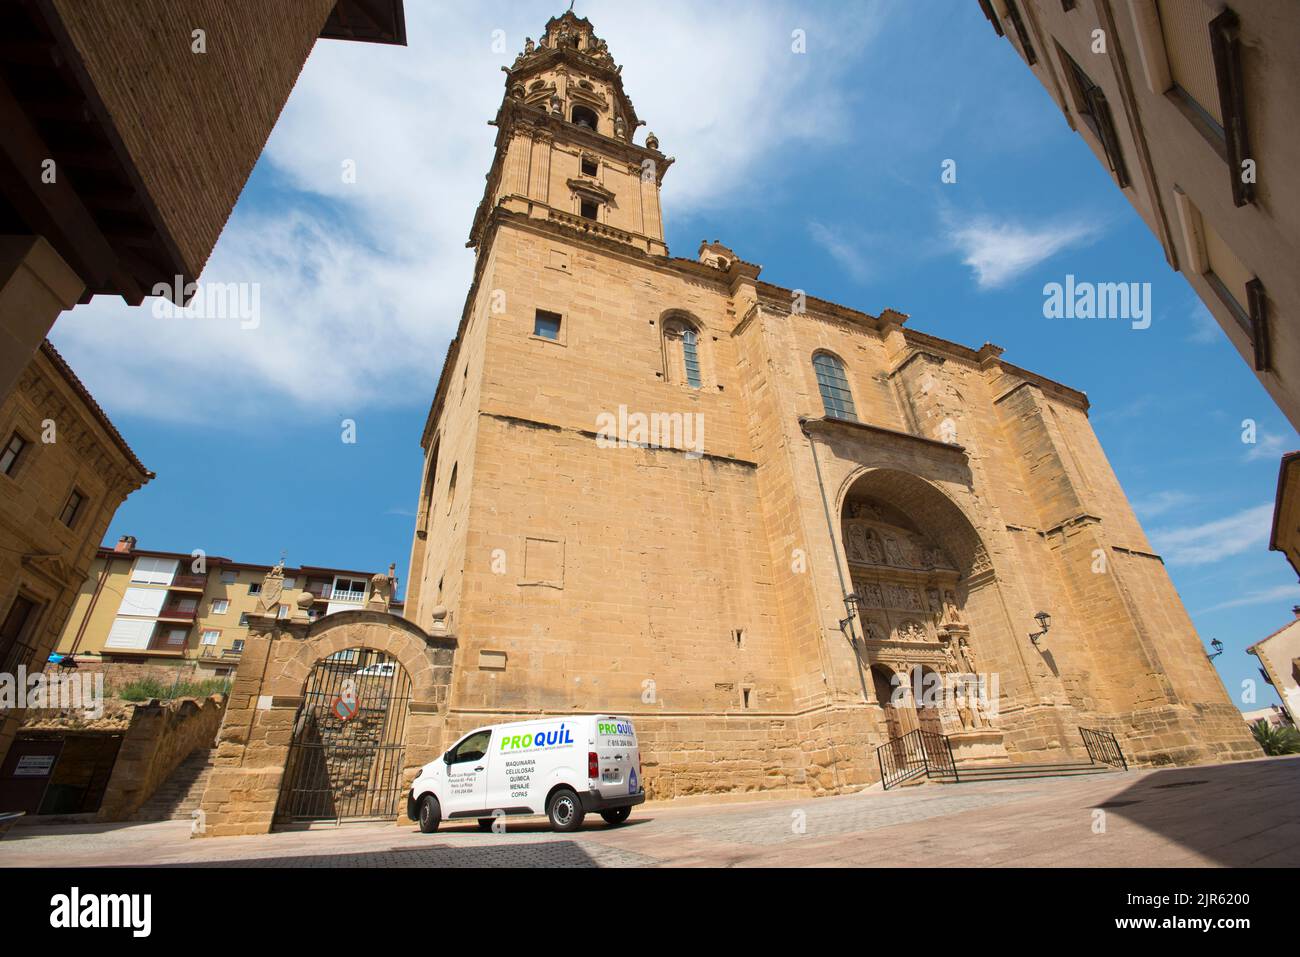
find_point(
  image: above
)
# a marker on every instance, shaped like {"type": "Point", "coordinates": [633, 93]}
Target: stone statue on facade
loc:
{"type": "Point", "coordinates": [272, 589]}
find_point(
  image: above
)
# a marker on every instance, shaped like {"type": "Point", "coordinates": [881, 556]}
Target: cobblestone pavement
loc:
{"type": "Point", "coordinates": [1216, 815]}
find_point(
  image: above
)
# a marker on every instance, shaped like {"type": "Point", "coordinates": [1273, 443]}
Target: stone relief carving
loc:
{"type": "Point", "coordinates": [895, 547]}
{"type": "Point", "coordinates": [912, 630]}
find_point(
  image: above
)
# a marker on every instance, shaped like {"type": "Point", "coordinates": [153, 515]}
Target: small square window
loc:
{"type": "Point", "coordinates": [72, 509]}
{"type": "Point", "coordinates": [282, 611]}
{"type": "Point", "coordinates": [255, 588]}
{"type": "Point", "coordinates": [590, 209]}
{"type": "Point", "coordinates": [237, 646]}
{"type": "Point", "coordinates": [210, 637]}
{"type": "Point", "coordinates": [590, 167]}
{"type": "Point", "coordinates": [547, 325]}
{"type": "Point", "coordinates": [220, 606]}
{"type": "Point", "coordinates": [228, 578]}
{"type": "Point", "coordinates": [13, 451]}
{"type": "Point", "coordinates": [243, 620]}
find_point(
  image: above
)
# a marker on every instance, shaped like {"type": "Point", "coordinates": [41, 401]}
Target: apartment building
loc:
{"type": "Point", "coordinates": [140, 605]}
{"type": "Point", "coordinates": [1191, 107]}
{"type": "Point", "coordinates": [1279, 663]}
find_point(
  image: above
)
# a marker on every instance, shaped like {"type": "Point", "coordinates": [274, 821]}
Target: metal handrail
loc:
{"type": "Point", "coordinates": [1103, 748]}
{"type": "Point", "coordinates": [917, 752]}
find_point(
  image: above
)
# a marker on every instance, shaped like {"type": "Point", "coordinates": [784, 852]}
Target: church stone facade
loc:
{"type": "Point", "coordinates": [651, 482]}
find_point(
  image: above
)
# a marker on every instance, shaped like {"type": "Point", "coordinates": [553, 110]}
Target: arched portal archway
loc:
{"type": "Point", "coordinates": [912, 558]}
{"type": "Point", "coordinates": [346, 754]}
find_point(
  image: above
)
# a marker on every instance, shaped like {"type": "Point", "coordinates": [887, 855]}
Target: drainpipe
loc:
{"type": "Point", "coordinates": [835, 550]}
{"type": "Point", "coordinates": [94, 600]}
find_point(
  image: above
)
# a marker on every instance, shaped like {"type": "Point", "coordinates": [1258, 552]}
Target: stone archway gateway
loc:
{"type": "Point", "coordinates": [328, 719]}
{"type": "Point", "coordinates": [349, 737]}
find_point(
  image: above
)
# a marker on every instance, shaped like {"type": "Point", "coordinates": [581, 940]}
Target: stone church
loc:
{"type": "Point", "coordinates": [860, 501]}
{"type": "Point", "coordinates": [763, 525]}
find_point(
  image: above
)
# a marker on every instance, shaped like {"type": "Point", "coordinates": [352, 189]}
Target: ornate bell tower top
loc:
{"type": "Point", "coordinates": [564, 150]}
{"type": "Point", "coordinates": [569, 69]}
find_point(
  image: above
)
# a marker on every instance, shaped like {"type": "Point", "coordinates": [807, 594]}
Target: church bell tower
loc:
{"type": "Point", "coordinates": [564, 148]}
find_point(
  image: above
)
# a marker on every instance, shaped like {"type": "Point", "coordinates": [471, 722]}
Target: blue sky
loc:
{"type": "Point", "coordinates": [823, 166]}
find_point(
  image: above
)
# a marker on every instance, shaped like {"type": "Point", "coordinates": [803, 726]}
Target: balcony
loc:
{"type": "Point", "coordinates": [176, 613]}
{"type": "Point", "coordinates": [189, 582]}
{"type": "Point", "coordinates": [344, 595]}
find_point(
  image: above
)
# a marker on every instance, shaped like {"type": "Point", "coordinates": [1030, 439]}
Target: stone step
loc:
{"type": "Point", "coordinates": [1014, 772]}
{"type": "Point", "coordinates": [181, 793]}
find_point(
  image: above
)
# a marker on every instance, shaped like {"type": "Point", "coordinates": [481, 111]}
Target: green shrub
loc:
{"type": "Point", "coordinates": [1276, 741]}
{"type": "Point", "coordinates": [147, 688]}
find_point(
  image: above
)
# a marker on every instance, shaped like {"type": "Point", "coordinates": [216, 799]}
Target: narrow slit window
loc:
{"type": "Point", "coordinates": [72, 509]}
{"type": "Point", "coordinates": [837, 400]}
{"type": "Point", "coordinates": [13, 451]}
{"type": "Point", "coordinates": [691, 358]}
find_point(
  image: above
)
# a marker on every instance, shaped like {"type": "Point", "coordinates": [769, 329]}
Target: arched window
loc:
{"type": "Point", "coordinates": [837, 400]}
{"type": "Point", "coordinates": [682, 352]}
{"type": "Point", "coordinates": [426, 503]}
{"type": "Point", "coordinates": [451, 490]}
{"type": "Point", "coordinates": [583, 116]}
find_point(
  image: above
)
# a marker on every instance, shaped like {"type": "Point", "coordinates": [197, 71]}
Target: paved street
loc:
{"type": "Point", "coordinates": [1219, 815]}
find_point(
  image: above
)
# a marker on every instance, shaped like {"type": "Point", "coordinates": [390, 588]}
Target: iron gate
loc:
{"type": "Point", "coordinates": [345, 758]}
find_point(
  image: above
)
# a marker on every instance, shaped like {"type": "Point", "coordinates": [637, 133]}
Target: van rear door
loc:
{"type": "Point", "coordinates": [617, 757]}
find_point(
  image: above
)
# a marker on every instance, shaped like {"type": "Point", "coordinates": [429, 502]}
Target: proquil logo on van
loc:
{"type": "Point", "coordinates": [613, 727]}
{"type": "Point", "coordinates": [542, 739]}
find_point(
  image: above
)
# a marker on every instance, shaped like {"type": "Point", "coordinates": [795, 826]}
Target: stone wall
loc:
{"type": "Point", "coordinates": [160, 736]}
{"type": "Point", "coordinates": [228, 96]}
{"type": "Point", "coordinates": [42, 559]}
{"type": "Point", "coordinates": [253, 745]}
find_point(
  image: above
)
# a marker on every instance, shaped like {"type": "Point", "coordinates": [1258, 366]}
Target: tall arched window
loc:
{"type": "Point", "coordinates": [837, 400]}
{"type": "Point", "coordinates": [425, 512]}
{"type": "Point", "coordinates": [682, 352]}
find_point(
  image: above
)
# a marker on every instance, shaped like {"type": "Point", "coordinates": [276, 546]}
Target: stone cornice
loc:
{"type": "Point", "coordinates": [829, 426]}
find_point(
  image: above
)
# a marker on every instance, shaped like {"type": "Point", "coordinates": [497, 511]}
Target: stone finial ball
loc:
{"type": "Point", "coordinates": [305, 600]}
{"type": "Point", "coordinates": [439, 612]}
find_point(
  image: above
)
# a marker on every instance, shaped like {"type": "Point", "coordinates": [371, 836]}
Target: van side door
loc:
{"type": "Point", "coordinates": [467, 776]}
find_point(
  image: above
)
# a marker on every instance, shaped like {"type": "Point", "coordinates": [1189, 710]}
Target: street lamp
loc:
{"type": "Point", "coordinates": [851, 602]}
{"type": "Point", "coordinates": [1044, 624]}
{"type": "Point", "coordinates": [1217, 645]}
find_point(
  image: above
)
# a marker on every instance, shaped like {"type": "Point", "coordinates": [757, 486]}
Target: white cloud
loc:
{"type": "Point", "coordinates": [842, 249]}
{"type": "Point", "coordinates": [362, 284]}
{"type": "Point", "coordinates": [1153, 506]}
{"type": "Point", "coordinates": [999, 251]}
{"type": "Point", "coordinates": [1279, 593]}
{"type": "Point", "coordinates": [1216, 540]}
{"type": "Point", "coordinates": [1268, 445]}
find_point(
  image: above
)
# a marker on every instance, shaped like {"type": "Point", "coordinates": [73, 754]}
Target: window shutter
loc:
{"type": "Point", "coordinates": [1191, 60]}
{"type": "Point", "coordinates": [144, 602]}
{"type": "Point", "coordinates": [131, 633]}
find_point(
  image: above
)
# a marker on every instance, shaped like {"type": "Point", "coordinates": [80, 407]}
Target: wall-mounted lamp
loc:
{"type": "Point", "coordinates": [851, 602]}
{"type": "Point", "coordinates": [1217, 645]}
{"type": "Point", "coordinates": [1044, 623]}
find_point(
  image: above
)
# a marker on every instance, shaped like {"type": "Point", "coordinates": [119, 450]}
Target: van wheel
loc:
{"type": "Point", "coordinates": [616, 816]}
{"type": "Point", "coordinates": [485, 823]}
{"type": "Point", "coordinates": [430, 814]}
{"type": "Point", "coordinates": [565, 811]}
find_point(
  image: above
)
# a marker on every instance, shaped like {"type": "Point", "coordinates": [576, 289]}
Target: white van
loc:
{"type": "Point", "coordinates": [560, 767]}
